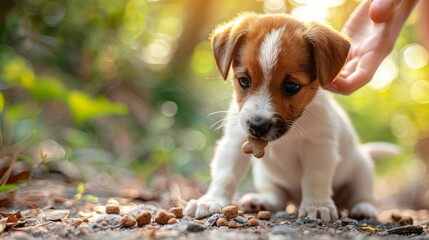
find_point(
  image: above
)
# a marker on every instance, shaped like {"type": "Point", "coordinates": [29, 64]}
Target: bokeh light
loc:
{"type": "Point", "coordinates": [415, 56]}
{"type": "Point", "coordinates": [385, 74]}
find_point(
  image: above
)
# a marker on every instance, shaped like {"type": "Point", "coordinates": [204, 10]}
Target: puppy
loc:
{"type": "Point", "coordinates": [279, 69]}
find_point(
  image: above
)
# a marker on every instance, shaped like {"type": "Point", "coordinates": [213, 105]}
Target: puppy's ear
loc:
{"type": "Point", "coordinates": [329, 48]}
{"type": "Point", "coordinates": [225, 41]}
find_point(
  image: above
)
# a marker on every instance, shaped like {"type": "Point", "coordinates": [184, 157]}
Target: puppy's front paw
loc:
{"type": "Point", "coordinates": [325, 210]}
{"type": "Point", "coordinates": [363, 210]}
{"type": "Point", "coordinates": [205, 206]}
{"type": "Point", "coordinates": [255, 202]}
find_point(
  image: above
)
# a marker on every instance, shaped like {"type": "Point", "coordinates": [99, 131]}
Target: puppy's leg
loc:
{"type": "Point", "coordinates": [228, 167]}
{"type": "Point", "coordinates": [319, 162]}
{"type": "Point", "coordinates": [269, 197]}
{"type": "Point", "coordinates": [361, 198]}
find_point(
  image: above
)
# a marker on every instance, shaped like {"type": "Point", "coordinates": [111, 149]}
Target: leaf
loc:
{"type": "Point", "coordinates": [48, 88]}
{"type": "Point", "coordinates": [1, 102]}
{"type": "Point", "coordinates": [85, 108]}
{"type": "Point", "coordinates": [53, 215]}
{"type": "Point", "coordinates": [369, 228]}
{"type": "Point", "coordinates": [8, 187]}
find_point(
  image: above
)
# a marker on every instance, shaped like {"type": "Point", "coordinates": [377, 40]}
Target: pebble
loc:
{"type": "Point", "coordinates": [163, 217]}
{"type": "Point", "coordinates": [127, 221]}
{"type": "Point", "coordinates": [282, 230]}
{"type": "Point", "coordinates": [230, 211]}
{"type": "Point", "coordinates": [112, 209]}
{"type": "Point", "coordinates": [211, 221]}
{"type": "Point", "coordinates": [144, 218]}
{"type": "Point", "coordinates": [406, 230]}
{"type": "Point", "coordinates": [241, 220]}
{"type": "Point", "coordinates": [307, 220]}
{"type": "Point", "coordinates": [348, 221]}
{"type": "Point", "coordinates": [221, 222]}
{"type": "Point", "coordinates": [406, 221]}
{"type": "Point", "coordinates": [111, 219]}
{"type": "Point", "coordinates": [112, 202]}
{"type": "Point", "coordinates": [264, 215]}
{"type": "Point", "coordinates": [193, 227]}
{"type": "Point", "coordinates": [177, 211]}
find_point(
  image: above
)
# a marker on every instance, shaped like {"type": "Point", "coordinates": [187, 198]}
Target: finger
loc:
{"type": "Point", "coordinates": [381, 10]}
{"type": "Point", "coordinates": [362, 75]}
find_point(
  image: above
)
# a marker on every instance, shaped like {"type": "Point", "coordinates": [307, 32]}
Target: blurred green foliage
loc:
{"type": "Point", "coordinates": [131, 82]}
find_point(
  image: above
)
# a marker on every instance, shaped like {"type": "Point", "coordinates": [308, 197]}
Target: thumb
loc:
{"type": "Point", "coordinates": [381, 10]}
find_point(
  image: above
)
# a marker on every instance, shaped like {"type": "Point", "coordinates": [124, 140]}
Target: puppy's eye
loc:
{"type": "Point", "coordinates": [244, 82]}
{"type": "Point", "coordinates": [291, 88]}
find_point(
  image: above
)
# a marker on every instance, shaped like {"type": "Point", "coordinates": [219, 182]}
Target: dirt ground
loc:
{"type": "Point", "coordinates": [55, 209]}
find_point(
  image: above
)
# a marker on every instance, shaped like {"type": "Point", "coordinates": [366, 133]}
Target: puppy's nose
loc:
{"type": "Point", "coordinates": [259, 128]}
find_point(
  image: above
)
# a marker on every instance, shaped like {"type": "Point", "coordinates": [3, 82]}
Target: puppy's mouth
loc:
{"type": "Point", "coordinates": [267, 129]}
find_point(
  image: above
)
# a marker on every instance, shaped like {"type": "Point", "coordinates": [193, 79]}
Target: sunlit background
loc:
{"type": "Point", "coordinates": [107, 87]}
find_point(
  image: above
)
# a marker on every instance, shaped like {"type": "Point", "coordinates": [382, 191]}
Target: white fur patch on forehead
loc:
{"type": "Point", "coordinates": [269, 51]}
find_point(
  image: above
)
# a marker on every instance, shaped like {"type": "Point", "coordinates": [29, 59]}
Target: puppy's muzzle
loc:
{"type": "Point", "coordinates": [266, 128]}
{"type": "Point", "coordinates": [259, 128]}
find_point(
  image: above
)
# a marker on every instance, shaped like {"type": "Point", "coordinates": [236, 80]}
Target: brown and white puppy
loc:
{"type": "Point", "coordinates": [280, 66]}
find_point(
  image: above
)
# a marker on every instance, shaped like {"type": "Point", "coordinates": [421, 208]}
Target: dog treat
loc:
{"type": "Point", "coordinates": [406, 221]}
{"type": "Point", "coordinates": [177, 211]}
{"type": "Point", "coordinates": [112, 209]}
{"type": "Point", "coordinates": [144, 218]}
{"type": "Point", "coordinates": [221, 222]}
{"type": "Point", "coordinates": [230, 211]}
{"type": "Point", "coordinates": [234, 224]}
{"type": "Point", "coordinates": [78, 222]}
{"type": "Point", "coordinates": [127, 221]}
{"type": "Point", "coordinates": [396, 217]}
{"type": "Point", "coordinates": [254, 146]}
{"type": "Point", "coordinates": [264, 215]}
{"type": "Point", "coordinates": [163, 217]}
{"type": "Point", "coordinates": [253, 222]}
{"type": "Point", "coordinates": [172, 221]}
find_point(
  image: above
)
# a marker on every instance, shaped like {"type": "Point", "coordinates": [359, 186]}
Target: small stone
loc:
{"type": "Point", "coordinates": [113, 202]}
{"type": "Point", "coordinates": [111, 219]}
{"type": "Point", "coordinates": [211, 221]}
{"type": "Point", "coordinates": [282, 230]}
{"type": "Point", "coordinates": [144, 218]}
{"type": "Point", "coordinates": [253, 222]}
{"type": "Point", "coordinates": [112, 209]}
{"type": "Point", "coordinates": [234, 224]}
{"type": "Point", "coordinates": [177, 211]}
{"type": "Point", "coordinates": [396, 217]}
{"type": "Point", "coordinates": [406, 221]}
{"type": "Point", "coordinates": [348, 221]}
{"type": "Point", "coordinates": [172, 221]}
{"type": "Point", "coordinates": [221, 222]}
{"type": "Point", "coordinates": [240, 213]}
{"type": "Point", "coordinates": [230, 211]}
{"type": "Point", "coordinates": [85, 219]}
{"type": "Point", "coordinates": [406, 230]}
{"type": "Point", "coordinates": [264, 215]}
{"type": "Point", "coordinates": [193, 227]}
{"type": "Point", "coordinates": [241, 220]}
{"type": "Point", "coordinates": [104, 223]}
{"type": "Point", "coordinates": [78, 222]}
{"type": "Point", "coordinates": [163, 217]}
{"type": "Point", "coordinates": [127, 221]}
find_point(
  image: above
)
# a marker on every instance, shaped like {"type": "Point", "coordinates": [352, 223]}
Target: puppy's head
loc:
{"type": "Point", "coordinates": [278, 65]}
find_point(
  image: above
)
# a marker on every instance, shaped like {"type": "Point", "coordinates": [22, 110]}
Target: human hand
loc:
{"type": "Point", "coordinates": [373, 29]}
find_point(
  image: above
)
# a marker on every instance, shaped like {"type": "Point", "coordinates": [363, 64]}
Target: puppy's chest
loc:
{"type": "Point", "coordinates": [283, 162]}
